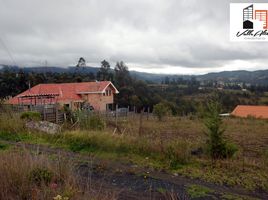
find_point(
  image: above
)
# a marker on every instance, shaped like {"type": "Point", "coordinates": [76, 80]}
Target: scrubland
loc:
{"type": "Point", "coordinates": [175, 145]}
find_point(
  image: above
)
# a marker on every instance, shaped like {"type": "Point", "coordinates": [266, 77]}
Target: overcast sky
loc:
{"type": "Point", "coordinates": [160, 36]}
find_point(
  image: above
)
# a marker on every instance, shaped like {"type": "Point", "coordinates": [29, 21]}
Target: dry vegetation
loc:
{"type": "Point", "coordinates": [27, 176]}
{"type": "Point", "coordinates": [167, 145]}
{"type": "Point", "coordinates": [249, 167]}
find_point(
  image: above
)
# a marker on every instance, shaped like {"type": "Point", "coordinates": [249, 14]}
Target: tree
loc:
{"type": "Point", "coordinates": [104, 74]}
{"type": "Point", "coordinates": [217, 147]}
{"type": "Point", "coordinates": [160, 110]}
{"type": "Point", "coordinates": [122, 76]}
{"type": "Point", "coordinates": [81, 62]}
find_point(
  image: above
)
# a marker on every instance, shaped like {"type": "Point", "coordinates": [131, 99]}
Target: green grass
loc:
{"type": "Point", "coordinates": [198, 191]}
{"type": "Point", "coordinates": [161, 190]}
{"type": "Point", "coordinates": [228, 173]}
{"type": "Point", "coordinates": [9, 136]}
{"type": "Point", "coordinates": [103, 144]}
{"type": "Point", "coordinates": [237, 197]}
{"type": "Point", "coordinates": [4, 146]}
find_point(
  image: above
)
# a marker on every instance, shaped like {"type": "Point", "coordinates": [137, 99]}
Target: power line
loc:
{"type": "Point", "coordinates": [8, 52]}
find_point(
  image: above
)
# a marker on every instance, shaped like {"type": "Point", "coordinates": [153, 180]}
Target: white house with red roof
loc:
{"type": "Point", "coordinates": [100, 95]}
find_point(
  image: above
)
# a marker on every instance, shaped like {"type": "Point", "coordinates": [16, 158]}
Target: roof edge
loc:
{"type": "Point", "coordinates": [110, 83]}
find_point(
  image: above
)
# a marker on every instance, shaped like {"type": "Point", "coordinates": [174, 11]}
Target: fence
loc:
{"type": "Point", "coordinates": [51, 113]}
{"type": "Point", "coordinates": [48, 112]}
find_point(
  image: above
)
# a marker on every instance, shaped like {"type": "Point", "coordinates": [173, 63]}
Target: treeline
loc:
{"type": "Point", "coordinates": [179, 95]}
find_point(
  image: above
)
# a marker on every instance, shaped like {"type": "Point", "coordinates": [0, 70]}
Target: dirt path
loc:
{"type": "Point", "coordinates": [130, 181]}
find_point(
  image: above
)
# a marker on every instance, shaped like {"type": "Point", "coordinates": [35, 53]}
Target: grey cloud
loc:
{"type": "Point", "coordinates": [187, 33]}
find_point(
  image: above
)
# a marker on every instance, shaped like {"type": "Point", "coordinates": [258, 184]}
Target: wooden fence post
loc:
{"type": "Point", "coordinates": [44, 113]}
{"type": "Point", "coordinates": [140, 124]}
{"type": "Point", "coordinates": [57, 115]}
{"type": "Point", "coordinates": [116, 114]}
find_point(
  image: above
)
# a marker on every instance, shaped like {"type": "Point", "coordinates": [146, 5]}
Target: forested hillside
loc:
{"type": "Point", "coordinates": [182, 94]}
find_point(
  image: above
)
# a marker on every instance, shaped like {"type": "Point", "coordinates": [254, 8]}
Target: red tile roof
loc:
{"type": "Point", "coordinates": [64, 91]}
{"type": "Point", "coordinates": [251, 111]}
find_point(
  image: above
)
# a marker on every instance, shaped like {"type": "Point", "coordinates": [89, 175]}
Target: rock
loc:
{"type": "Point", "coordinates": [44, 126]}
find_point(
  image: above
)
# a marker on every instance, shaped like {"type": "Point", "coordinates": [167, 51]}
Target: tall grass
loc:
{"type": "Point", "coordinates": [11, 122]}
{"type": "Point", "coordinates": [25, 176]}
{"type": "Point", "coordinates": [171, 155]}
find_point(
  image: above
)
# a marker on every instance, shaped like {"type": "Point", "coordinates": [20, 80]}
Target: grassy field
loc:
{"type": "Point", "coordinates": [28, 176]}
{"type": "Point", "coordinates": [165, 145]}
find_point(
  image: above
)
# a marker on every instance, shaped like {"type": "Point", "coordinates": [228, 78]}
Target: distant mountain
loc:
{"type": "Point", "coordinates": [44, 69]}
{"type": "Point", "coordinates": [61, 69]}
{"type": "Point", "coordinates": [158, 78]}
{"type": "Point", "coordinates": [252, 77]}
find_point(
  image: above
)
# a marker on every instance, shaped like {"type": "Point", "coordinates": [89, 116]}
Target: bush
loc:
{"type": "Point", "coordinates": [217, 147]}
{"type": "Point", "coordinates": [161, 110]}
{"type": "Point", "coordinates": [90, 121]}
{"type": "Point", "coordinates": [231, 149]}
{"type": "Point", "coordinates": [178, 154]}
{"type": "Point", "coordinates": [31, 116]}
{"type": "Point", "coordinates": [96, 122]}
{"type": "Point", "coordinates": [3, 146]}
{"type": "Point", "coordinates": [40, 175]}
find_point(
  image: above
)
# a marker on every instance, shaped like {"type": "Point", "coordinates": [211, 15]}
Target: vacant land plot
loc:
{"type": "Point", "coordinates": [175, 145]}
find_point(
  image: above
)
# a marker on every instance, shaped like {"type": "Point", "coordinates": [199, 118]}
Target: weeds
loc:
{"type": "Point", "coordinates": [40, 175]}
{"type": "Point", "coordinates": [165, 146]}
{"type": "Point", "coordinates": [178, 154]}
{"type": "Point", "coordinates": [11, 123]}
{"type": "Point", "coordinates": [90, 121]}
{"type": "Point", "coordinates": [3, 146]}
{"type": "Point", "coordinates": [24, 176]}
{"type": "Point", "coordinates": [198, 191]}
{"type": "Point", "coordinates": [30, 115]}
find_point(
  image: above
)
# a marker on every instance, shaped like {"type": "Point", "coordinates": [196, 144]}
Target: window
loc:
{"type": "Point", "coordinates": [107, 93]}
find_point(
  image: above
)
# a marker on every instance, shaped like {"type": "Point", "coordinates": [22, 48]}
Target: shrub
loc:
{"type": "Point", "coordinates": [96, 122]}
{"type": "Point", "coordinates": [178, 154]}
{"type": "Point", "coordinates": [40, 175]}
{"type": "Point", "coordinates": [217, 147]}
{"type": "Point", "coordinates": [90, 121]}
{"type": "Point", "coordinates": [161, 110]}
{"type": "Point", "coordinates": [3, 146]}
{"type": "Point", "coordinates": [231, 149]}
{"type": "Point", "coordinates": [30, 115]}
